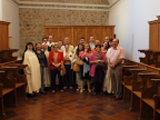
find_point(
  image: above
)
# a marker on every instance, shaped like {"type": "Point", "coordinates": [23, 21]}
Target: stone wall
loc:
{"type": "Point", "coordinates": [32, 21]}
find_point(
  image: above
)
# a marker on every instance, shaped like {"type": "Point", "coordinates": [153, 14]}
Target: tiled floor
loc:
{"type": "Point", "coordinates": [72, 106]}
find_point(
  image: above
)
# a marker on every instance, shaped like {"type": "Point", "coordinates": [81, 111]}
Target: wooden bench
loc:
{"type": "Point", "coordinates": [13, 71]}
{"type": "Point", "coordinates": [137, 81]}
{"type": "Point", "coordinates": [156, 97]}
{"type": "Point", "coordinates": [147, 90]}
{"type": "Point", "coordinates": [12, 75]}
{"type": "Point", "coordinates": [7, 86]}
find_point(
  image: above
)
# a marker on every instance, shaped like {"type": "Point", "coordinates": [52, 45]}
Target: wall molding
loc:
{"type": "Point", "coordinates": [64, 6]}
{"type": "Point", "coordinates": [114, 2]}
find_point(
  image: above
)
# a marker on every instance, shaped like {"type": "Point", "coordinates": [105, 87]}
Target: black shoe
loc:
{"type": "Point", "coordinates": [30, 95]}
{"type": "Point", "coordinates": [43, 92]}
{"type": "Point", "coordinates": [118, 98]}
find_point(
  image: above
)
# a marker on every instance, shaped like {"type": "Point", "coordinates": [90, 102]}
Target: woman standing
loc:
{"type": "Point", "coordinates": [56, 62]}
{"type": "Point", "coordinates": [77, 67]}
{"type": "Point", "coordinates": [32, 70]}
{"type": "Point", "coordinates": [68, 57]}
{"type": "Point", "coordinates": [97, 70]}
{"type": "Point", "coordinates": [85, 55]}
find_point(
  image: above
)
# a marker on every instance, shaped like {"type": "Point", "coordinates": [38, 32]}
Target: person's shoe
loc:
{"type": "Point", "coordinates": [64, 87]}
{"type": "Point", "coordinates": [77, 89]}
{"type": "Point", "coordinates": [43, 92]}
{"type": "Point", "coordinates": [62, 90]}
{"type": "Point", "coordinates": [81, 90]}
{"type": "Point", "coordinates": [118, 98]}
{"type": "Point", "coordinates": [89, 91]}
{"type": "Point", "coordinates": [30, 95]}
{"type": "Point", "coordinates": [70, 87]}
{"type": "Point", "coordinates": [53, 91]}
{"type": "Point", "coordinates": [94, 93]}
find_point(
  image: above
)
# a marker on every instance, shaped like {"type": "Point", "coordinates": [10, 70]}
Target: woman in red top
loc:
{"type": "Point", "coordinates": [56, 61]}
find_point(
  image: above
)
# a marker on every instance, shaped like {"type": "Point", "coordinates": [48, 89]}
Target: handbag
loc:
{"type": "Point", "coordinates": [79, 62]}
{"type": "Point", "coordinates": [76, 67]}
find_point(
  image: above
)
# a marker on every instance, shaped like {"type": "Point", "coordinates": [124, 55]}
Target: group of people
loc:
{"type": "Point", "coordinates": [90, 66]}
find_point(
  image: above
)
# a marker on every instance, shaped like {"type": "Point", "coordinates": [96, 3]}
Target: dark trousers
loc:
{"type": "Point", "coordinates": [42, 79]}
{"type": "Point", "coordinates": [68, 77]}
{"type": "Point", "coordinates": [54, 73]}
{"type": "Point", "coordinates": [99, 78]}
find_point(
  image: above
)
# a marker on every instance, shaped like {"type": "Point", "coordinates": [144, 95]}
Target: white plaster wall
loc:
{"type": "Point", "coordinates": [131, 19]}
{"type": "Point", "coordinates": [120, 16]}
{"type": "Point", "coordinates": [10, 13]}
{"type": "Point", "coordinates": [0, 9]}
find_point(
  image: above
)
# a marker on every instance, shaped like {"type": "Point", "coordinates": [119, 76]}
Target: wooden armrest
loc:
{"type": "Point", "coordinates": [2, 71]}
{"type": "Point", "coordinates": [137, 69]}
{"type": "Point", "coordinates": [157, 101]}
{"type": "Point", "coordinates": [130, 66]}
{"type": "Point", "coordinates": [7, 90]}
{"type": "Point", "coordinates": [9, 67]}
{"type": "Point", "coordinates": [149, 101]}
{"type": "Point", "coordinates": [148, 74]}
{"type": "Point", "coordinates": [156, 80]}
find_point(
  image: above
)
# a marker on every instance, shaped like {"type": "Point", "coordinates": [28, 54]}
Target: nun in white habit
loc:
{"type": "Point", "coordinates": [32, 70]}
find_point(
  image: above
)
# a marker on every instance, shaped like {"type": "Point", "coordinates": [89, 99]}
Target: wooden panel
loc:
{"type": "Point", "coordinates": [96, 32]}
{"type": "Point", "coordinates": [154, 40]}
{"type": "Point", "coordinates": [4, 35]}
{"type": "Point", "coordinates": [108, 31]}
{"type": "Point", "coordinates": [65, 32]}
{"type": "Point", "coordinates": [54, 32]}
{"type": "Point", "coordinates": [76, 32]}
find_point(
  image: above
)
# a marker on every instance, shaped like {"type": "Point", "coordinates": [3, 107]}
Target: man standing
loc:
{"type": "Point", "coordinates": [115, 56]}
{"type": "Point", "coordinates": [92, 43]}
{"type": "Point", "coordinates": [50, 42]}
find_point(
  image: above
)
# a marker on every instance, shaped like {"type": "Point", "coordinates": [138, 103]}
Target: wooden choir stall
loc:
{"type": "Point", "coordinates": [12, 80]}
{"type": "Point", "coordinates": [152, 55]}
{"type": "Point", "coordinates": [141, 86]}
{"type": "Point", "coordinates": [12, 77]}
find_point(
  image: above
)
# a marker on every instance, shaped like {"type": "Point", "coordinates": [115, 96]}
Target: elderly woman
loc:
{"type": "Point", "coordinates": [68, 52]}
{"type": "Point", "coordinates": [56, 62]}
{"type": "Point", "coordinates": [97, 71]}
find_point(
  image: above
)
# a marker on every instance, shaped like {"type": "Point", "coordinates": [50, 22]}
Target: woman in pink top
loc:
{"type": "Point", "coordinates": [97, 70]}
